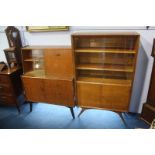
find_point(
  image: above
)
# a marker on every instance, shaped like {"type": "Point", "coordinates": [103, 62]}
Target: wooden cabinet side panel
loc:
{"type": "Point", "coordinates": [34, 89]}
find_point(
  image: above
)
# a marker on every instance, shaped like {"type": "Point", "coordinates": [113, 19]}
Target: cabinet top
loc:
{"type": "Point", "coordinates": [105, 34]}
{"type": "Point", "coordinates": [35, 47]}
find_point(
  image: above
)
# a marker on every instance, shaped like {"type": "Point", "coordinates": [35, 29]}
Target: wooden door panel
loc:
{"type": "Point", "coordinates": [34, 89]}
{"type": "Point", "coordinates": [115, 97]}
{"type": "Point", "coordinates": [112, 97]}
{"type": "Point", "coordinates": [59, 62]}
{"type": "Point", "coordinates": [88, 95]}
{"type": "Point", "coordinates": [59, 92]}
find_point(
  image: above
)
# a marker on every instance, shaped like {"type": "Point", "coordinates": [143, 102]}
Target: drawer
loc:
{"type": "Point", "coordinates": [5, 89]}
{"type": "Point", "coordinates": [10, 100]}
{"type": "Point", "coordinates": [112, 97]}
{"type": "Point", "coordinates": [4, 80]}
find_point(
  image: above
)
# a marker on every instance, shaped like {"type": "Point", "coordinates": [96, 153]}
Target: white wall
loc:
{"type": "Point", "coordinates": [144, 63]}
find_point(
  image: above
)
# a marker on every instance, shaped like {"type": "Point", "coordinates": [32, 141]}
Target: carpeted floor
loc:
{"type": "Point", "coordinates": [47, 116]}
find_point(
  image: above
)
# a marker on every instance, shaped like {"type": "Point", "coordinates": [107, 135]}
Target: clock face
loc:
{"type": "Point", "coordinates": [14, 34]}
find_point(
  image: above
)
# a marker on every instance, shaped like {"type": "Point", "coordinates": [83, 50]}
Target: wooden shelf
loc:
{"type": "Point", "coordinates": [99, 50]}
{"type": "Point", "coordinates": [36, 73]}
{"type": "Point", "coordinates": [95, 80]}
{"type": "Point", "coordinates": [33, 59]}
{"type": "Point", "coordinates": [105, 67]}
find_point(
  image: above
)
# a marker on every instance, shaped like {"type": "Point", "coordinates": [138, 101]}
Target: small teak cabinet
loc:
{"type": "Point", "coordinates": [104, 69]}
{"type": "Point", "coordinates": [48, 75]}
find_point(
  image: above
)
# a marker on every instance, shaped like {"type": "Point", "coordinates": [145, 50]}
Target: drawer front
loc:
{"type": "Point", "coordinates": [4, 80]}
{"type": "Point", "coordinates": [9, 100]}
{"type": "Point", "coordinates": [59, 92]}
{"type": "Point", "coordinates": [5, 89]}
{"type": "Point", "coordinates": [34, 89]}
{"type": "Point", "coordinates": [112, 97]}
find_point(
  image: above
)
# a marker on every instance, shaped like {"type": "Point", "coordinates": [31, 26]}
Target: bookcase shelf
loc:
{"type": "Point", "coordinates": [33, 59]}
{"type": "Point", "coordinates": [106, 67]}
{"type": "Point", "coordinates": [99, 50]}
{"type": "Point", "coordinates": [35, 73]}
{"type": "Point", "coordinates": [95, 80]}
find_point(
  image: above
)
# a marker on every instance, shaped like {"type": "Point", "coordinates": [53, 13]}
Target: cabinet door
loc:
{"type": "Point", "coordinates": [115, 97]}
{"type": "Point", "coordinates": [112, 97]}
{"type": "Point", "coordinates": [59, 92]}
{"type": "Point", "coordinates": [34, 89]}
{"type": "Point", "coordinates": [59, 63]}
{"type": "Point", "coordinates": [89, 95]}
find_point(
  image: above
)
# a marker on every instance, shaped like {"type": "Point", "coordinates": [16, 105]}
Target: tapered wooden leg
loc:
{"type": "Point", "coordinates": [31, 106]}
{"type": "Point", "coordinates": [18, 108]}
{"type": "Point", "coordinates": [72, 112]}
{"type": "Point", "coordinates": [121, 116]}
{"type": "Point", "coordinates": [82, 110]}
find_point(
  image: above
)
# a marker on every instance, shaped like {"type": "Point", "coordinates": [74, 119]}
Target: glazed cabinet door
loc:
{"type": "Point", "coordinates": [59, 92]}
{"type": "Point", "coordinates": [34, 89]}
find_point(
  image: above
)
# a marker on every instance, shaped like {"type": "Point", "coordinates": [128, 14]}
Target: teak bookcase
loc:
{"type": "Point", "coordinates": [48, 75]}
{"type": "Point", "coordinates": [104, 69]}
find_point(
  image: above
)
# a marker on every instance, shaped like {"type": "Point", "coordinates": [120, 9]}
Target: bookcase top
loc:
{"type": "Point", "coordinates": [105, 33]}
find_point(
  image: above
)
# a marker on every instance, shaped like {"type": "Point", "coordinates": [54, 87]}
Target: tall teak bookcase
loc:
{"type": "Point", "coordinates": [104, 69]}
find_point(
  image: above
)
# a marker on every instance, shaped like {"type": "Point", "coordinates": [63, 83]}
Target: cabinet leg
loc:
{"type": "Point", "coordinates": [121, 116]}
{"type": "Point", "coordinates": [31, 106]}
{"type": "Point", "coordinates": [18, 108]}
{"type": "Point", "coordinates": [82, 110]}
{"type": "Point", "coordinates": [72, 112]}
